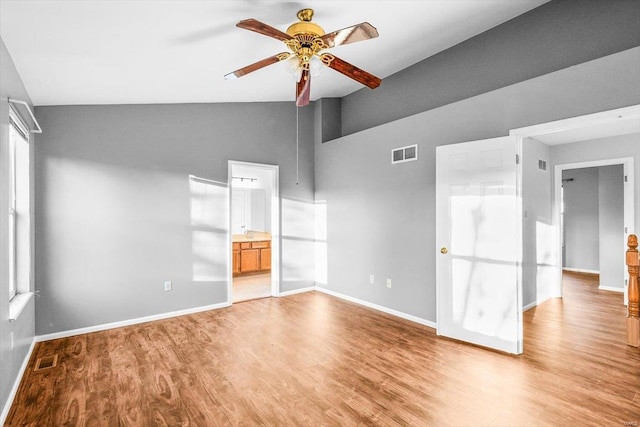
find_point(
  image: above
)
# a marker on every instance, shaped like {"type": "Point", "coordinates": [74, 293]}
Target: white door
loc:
{"type": "Point", "coordinates": [478, 238]}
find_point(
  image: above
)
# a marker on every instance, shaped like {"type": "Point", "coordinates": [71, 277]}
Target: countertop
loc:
{"type": "Point", "coordinates": [255, 236]}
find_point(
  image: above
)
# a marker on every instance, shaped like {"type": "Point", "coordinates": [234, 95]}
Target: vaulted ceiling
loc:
{"type": "Point", "coordinates": [141, 52]}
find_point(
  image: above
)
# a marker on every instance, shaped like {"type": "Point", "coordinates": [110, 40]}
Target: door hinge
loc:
{"type": "Point", "coordinates": [626, 230]}
{"type": "Point", "coordinates": [625, 178]}
{"type": "Point", "coordinates": [517, 159]}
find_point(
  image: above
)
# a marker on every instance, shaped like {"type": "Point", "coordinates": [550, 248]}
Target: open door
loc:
{"type": "Point", "coordinates": [478, 233]}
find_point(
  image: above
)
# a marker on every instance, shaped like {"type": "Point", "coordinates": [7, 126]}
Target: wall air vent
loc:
{"type": "Point", "coordinates": [404, 154]}
{"type": "Point", "coordinates": [542, 165]}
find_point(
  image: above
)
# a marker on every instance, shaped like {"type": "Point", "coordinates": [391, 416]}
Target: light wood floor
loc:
{"type": "Point", "coordinates": [250, 287]}
{"type": "Point", "coordinates": [311, 359]}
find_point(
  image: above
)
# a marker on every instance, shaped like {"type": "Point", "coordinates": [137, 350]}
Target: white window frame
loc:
{"type": "Point", "coordinates": [19, 222]}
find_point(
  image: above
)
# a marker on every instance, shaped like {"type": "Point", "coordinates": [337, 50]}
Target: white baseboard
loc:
{"type": "Point", "coordinates": [580, 270]}
{"type": "Point", "coordinates": [129, 322]}
{"type": "Point", "coordinates": [297, 291]}
{"type": "Point", "coordinates": [536, 303]}
{"type": "Point", "coordinates": [381, 308]}
{"type": "Point", "coordinates": [611, 289]}
{"type": "Point", "coordinates": [16, 384]}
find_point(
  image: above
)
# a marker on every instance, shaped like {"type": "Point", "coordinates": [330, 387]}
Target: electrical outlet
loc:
{"type": "Point", "coordinates": [388, 283]}
{"type": "Point", "coordinates": [371, 279]}
{"type": "Point", "coordinates": [167, 285]}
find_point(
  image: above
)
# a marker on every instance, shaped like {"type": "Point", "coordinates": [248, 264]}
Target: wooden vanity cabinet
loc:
{"type": "Point", "coordinates": [251, 257]}
{"type": "Point", "coordinates": [265, 259]}
{"type": "Point", "coordinates": [236, 258]}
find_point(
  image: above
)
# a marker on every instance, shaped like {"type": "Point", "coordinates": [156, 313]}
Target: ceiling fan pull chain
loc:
{"type": "Point", "coordinates": [297, 145]}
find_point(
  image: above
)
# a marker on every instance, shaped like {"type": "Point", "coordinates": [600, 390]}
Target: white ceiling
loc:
{"type": "Point", "coordinates": [130, 52]}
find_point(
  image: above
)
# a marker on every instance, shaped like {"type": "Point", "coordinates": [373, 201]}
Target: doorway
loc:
{"type": "Point", "coordinates": [584, 184]}
{"type": "Point", "coordinates": [590, 127]}
{"type": "Point", "coordinates": [254, 216]}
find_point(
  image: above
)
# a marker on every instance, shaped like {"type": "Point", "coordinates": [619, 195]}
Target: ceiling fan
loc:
{"type": "Point", "coordinates": [307, 41]}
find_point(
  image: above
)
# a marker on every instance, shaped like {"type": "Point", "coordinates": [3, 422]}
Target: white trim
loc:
{"type": "Point", "coordinates": [536, 303]}
{"type": "Point", "coordinates": [578, 122]}
{"type": "Point", "coordinates": [38, 129]}
{"type": "Point", "coordinates": [16, 384]}
{"type": "Point", "coordinates": [297, 291]}
{"type": "Point", "coordinates": [377, 307]}
{"type": "Point", "coordinates": [17, 304]}
{"type": "Point", "coordinates": [129, 322]}
{"type": "Point", "coordinates": [580, 270]}
{"type": "Point", "coordinates": [275, 226]}
{"type": "Point", "coordinates": [611, 289]}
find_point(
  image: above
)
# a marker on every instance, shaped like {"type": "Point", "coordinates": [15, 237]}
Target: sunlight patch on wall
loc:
{"type": "Point", "coordinates": [297, 219]}
{"type": "Point", "coordinates": [321, 241]}
{"type": "Point", "coordinates": [546, 257]}
{"type": "Point", "coordinates": [298, 241]}
{"type": "Point", "coordinates": [209, 237]}
{"type": "Point", "coordinates": [209, 202]}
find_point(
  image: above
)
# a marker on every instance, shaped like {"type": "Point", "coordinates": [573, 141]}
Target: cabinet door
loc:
{"type": "Point", "coordinates": [250, 260]}
{"type": "Point", "coordinates": [265, 259]}
{"type": "Point", "coordinates": [236, 262]}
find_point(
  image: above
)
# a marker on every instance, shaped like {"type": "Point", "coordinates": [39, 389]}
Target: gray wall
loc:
{"type": "Point", "coordinates": [117, 214]}
{"type": "Point", "coordinates": [554, 36]}
{"type": "Point", "coordinates": [380, 217]}
{"type": "Point", "coordinates": [603, 149]}
{"type": "Point", "coordinates": [611, 218]}
{"type": "Point", "coordinates": [538, 259]}
{"type": "Point", "coordinates": [22, 329]}
{"type": "Point", "coordinates": [581, 220]}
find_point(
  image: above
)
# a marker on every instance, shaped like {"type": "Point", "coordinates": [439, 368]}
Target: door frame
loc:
{"type": "Point", "coordinates": [576, 123]}
{"type": "Point", "coordinates": [275, 225]}
{"type": "Point", "coordinates": [629, 211]}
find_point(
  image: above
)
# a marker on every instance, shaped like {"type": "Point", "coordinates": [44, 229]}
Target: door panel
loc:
{"type": "Point", "coordinates": [478, 225]}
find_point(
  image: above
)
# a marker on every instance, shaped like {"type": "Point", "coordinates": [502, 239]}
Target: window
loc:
{"type": "Point", "coordinates": [19, 212]}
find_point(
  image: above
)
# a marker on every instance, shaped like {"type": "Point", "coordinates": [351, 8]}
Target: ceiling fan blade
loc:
{"type": "Point", "coordinates": [303, 89]}
{"type": "Point", "coordinates": [257, 65]}
{"type": "Point", "coordinates": [355, 33]}
{"type": "Point", "coordinates": [262, 28]}
{"type": "Point", "coordinates": [349, 70]}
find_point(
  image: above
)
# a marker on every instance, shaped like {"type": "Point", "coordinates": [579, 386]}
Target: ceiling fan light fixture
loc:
{"type": "Point", "coordinates": [293, 67]}
{"type": "Point", "coordinates": [315, 66]}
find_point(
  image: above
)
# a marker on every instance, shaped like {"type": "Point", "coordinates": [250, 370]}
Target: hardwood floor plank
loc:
{"type": "Point", "coordinates": [311, 359]}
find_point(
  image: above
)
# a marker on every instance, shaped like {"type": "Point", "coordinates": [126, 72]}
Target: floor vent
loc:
{"type": "Point", "coordinates": [404, 154]}
{"type": "Point", "coordinates": [46, 362]}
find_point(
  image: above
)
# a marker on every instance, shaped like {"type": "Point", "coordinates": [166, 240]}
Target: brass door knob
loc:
{"type": "Point", "coordinates": [443, 250]}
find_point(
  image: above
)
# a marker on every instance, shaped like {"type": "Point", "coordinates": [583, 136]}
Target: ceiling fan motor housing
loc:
{"type": "Point", "coordinates": [305, 42]}
{"type": "Point", "coordinates": [305, 26]}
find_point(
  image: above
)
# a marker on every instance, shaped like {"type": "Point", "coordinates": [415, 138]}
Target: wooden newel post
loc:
{"type": "Point", "coordinates": [633, 317]}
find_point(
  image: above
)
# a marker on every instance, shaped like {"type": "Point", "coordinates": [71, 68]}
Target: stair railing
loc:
{"type": "Point", "coordinates": [633, 316]}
